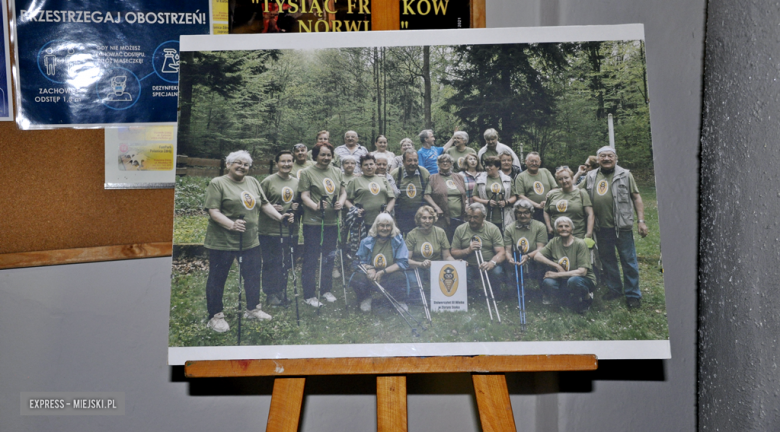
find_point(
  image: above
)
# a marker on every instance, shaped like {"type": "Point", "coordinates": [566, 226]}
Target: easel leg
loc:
{"type": "Point", "coordinates": [495, 408]}
{"type": "Point", "coordinates": [286, 401]}
{"type": "Point", "coordinates": [391, 404]}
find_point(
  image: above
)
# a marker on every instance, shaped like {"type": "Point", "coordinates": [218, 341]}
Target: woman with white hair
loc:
{"type": "Point", "coordinates": [384, 256]}
{"type": "Point", "coordinates": [234, 201]}
{"type": "Point", "coordinates": [571, 279]}
{"type": "Point", "coordinates": [459, 150]}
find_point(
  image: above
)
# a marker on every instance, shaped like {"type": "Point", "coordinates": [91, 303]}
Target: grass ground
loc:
{"type": "Point", "coordinates": [339, 323]}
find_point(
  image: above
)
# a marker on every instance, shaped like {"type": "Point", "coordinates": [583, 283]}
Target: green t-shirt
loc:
{"type": "Point", "coordinates": [571, 205]}
{"type": "Point", "coordinates": [460, 162]}
{"type": "Point", "coordinates": [277, 191]}
{"type": "Point", "coordinates": [296, 169]}
{"type": "Point", "coordinates": [349, 178]}
{"type": "Point", "coordinates": [453, 195]}
{"type": "Point", "coordinates": [411, 189]}
{"type": "Point", "coordinates": [489, 235]}
{"type": "Point", "coordinates": [534, 187]}
{"type": "Point", "coordinates": [526, 239]}
{"type": "Point", "coordinates": [319, 183]}
{"type": "Point", "coordinates": [382, 255]}
{"type": "Point", "coordinates": [603, 200]}
{"type": "Point", "coordinates": [233, 199]}
{"type": "Point", "coordinates": [427, 247]}
{"type": "Point", "coordinates": [494, 186]}
{"type": "Point", "coordinates": [372, 192]}
{"type": "Point", "coordinates": [570, 258]}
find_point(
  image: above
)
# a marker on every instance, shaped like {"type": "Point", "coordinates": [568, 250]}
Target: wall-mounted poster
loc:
{"type": "Point", "coordinates": [93, 63]}
{"type": "Point", "coordinates": [349, 276]}
{"type": "Point", "coordinates": [140, 157]}
{"type": "Point", "coordinates": [6, 110]}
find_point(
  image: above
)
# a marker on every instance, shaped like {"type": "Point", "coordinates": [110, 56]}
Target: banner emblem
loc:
{"type": "Point", "coordinates": [247, 200]}
{"type": "Point", "coordinates": [448, 280]}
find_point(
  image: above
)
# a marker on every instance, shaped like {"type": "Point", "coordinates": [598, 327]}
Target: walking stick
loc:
{"type": "Point", "coordinates": [292, 270]}
{"type": "Point", "coordinates": [240, 261]}
{"type": "Point", "coordinates": [396, 304]}
{"type": "Point", "coordinates": [422, 296]}
{"type": "Point", "coordinates": [501, 209]}
{"type": "Point", "coordinates": [480, 261]}
{"type": "Point", "coordinates": [482, 277]}
{"type": "Point", "coordinates": [284, 265]}
{"type": "Point", "coordinates": [339, 248]}
{"type": "Point", "coordinates": [322, 239]}
{"type": "Point", "coordinates": [520, 287]}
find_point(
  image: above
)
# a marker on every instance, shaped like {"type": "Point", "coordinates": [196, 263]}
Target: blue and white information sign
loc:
{"type": "Point", "coordinates": [6, 111]}
{"type": "Point", "coordinates": [89, 63]}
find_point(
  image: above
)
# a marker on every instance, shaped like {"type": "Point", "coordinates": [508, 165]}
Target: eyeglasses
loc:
{"type": "Point", "coordinates": [243, 164]}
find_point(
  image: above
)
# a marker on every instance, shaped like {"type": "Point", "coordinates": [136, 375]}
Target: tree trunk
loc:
{"type": "Point", "coordinates": [426, 72]}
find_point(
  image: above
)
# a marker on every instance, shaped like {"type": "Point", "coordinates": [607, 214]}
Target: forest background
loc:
{"type": "Point", "coordinates": [553, 98]}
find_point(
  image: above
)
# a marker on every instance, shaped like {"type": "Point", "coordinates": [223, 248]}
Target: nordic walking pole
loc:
{"type": "Point", "coordinates": [292, 270]}
{"type": "Point", "coordinates": [240, 261]}
{"type": "Point", "coordinates": [323, 200]}
{"type": "Point", "coordinates": [520, 286]}
{"type": "Point", "coordinates": [422, 296]}
{"type": "Point", "coordinates": [281, 246]}
{"type": "Point", "coordinates": [394, 302]}
{"type": "Point", "coordinates": [339, 247]}
{"type": "Point", "coordinates": [490, 287]}
{"type": "Point", "coordinates": [478, 255]}
{"type": "Point", "coordinates": [501, 209]}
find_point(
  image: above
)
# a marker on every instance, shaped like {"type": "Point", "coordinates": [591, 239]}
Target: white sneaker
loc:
{"type": "Point", "coordinates": [403, 306]}
{"type": "Point", "coordinates": [218, 323]}
{"type": "Point", "coordinates": [313, 302]}
{"type": "Point", "coordinates": [365, 305]}
{"type": "Point", "coordinates": [257, 314]}
{"type": "Point", "coordinates": [273, 300]}
{"type": "Point", "coordinates": [329, 296]}
{"type": "Point", "coordinates": [336, 273]}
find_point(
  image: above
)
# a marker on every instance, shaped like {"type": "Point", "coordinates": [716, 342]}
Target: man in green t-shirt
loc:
{"type": "Point", "coordinates": [522, 240]}
{"type": "Point", "coordinates": [571, 279]}
{"type": "Point", "coordinates": [615, 197]}
{"type": "Point", "coordinates": [300, 162]}
{"type": "Point", "coordinates": [411, 179]}
{"type": "Point", "coordinates": [478, 234]}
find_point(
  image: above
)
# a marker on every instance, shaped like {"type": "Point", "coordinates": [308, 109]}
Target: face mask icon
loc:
{"type": "Point", "coordinates": [117, 92]}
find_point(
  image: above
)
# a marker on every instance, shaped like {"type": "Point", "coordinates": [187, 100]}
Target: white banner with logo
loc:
{"type": "Point", "coordinates": [448, 286]}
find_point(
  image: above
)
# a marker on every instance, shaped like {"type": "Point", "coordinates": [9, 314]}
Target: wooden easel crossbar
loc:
{"type": "Point", "coordinates": [495, 408]}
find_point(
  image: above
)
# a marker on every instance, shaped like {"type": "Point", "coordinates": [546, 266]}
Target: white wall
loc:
{"type": "Point", "coordinates": [103, 326]}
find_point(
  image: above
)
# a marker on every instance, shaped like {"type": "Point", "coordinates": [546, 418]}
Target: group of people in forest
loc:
{"type": "Point", "coordinates": [383, 215]}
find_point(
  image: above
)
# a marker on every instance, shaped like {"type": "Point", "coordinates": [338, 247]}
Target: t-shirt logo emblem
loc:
{"type": "Point", "coordinates": [562, 205]}
{"type": "Point", "coordinates": [330, 186]}
{"type": "Point", "coordinates": [495, 188]}
{"type": "Point", "coordinates": [411, 190]}
{"type": "Point", "coordinates": [522, 244]}
{"type": "Point", "coordinates": [247, 200]}
{"type": "Point", "coordinates": [380, 261]}
{"type": "Point", "coordinates": [538, 188]}
{"type": "Point", "coordinates": [564, 262]}
{"type": "Point", "coordinates": [451, 184]}
{"type": "Point", "coordinates": [373, 188]}
{"type": "Point", "coordinates": [426, 250]}
{"type": "Point", "coordinates": [603, 187]}
{"type": "Point", "coordinates": [287, 194]}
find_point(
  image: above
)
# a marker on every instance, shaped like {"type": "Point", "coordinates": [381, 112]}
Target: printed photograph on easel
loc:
{"type": "Point", "coordinates": [416, 193]}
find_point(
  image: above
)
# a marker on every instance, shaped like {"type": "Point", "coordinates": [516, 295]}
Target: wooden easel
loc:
{"type": "Point", "coordinates": [495, 408]}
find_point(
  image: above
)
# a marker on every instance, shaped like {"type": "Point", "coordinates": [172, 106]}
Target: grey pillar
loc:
{"type": "Point", "coordinates": [739, 301]}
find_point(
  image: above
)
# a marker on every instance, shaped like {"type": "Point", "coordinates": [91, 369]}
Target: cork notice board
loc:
{"type": "Point", "coordinates": [54, 209]}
